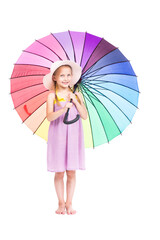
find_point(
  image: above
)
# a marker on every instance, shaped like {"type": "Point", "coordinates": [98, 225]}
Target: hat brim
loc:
{"type": "Point", "coordinates": [76, 73]}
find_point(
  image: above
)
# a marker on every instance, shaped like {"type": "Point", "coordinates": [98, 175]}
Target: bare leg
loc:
{"type": "Point", "coordinates": [59, 186]}
{"type": "Point", "coordinates": [71, 182]}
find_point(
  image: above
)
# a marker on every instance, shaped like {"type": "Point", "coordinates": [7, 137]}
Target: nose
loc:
{"type": "Point", "coordinates": [67, 78]}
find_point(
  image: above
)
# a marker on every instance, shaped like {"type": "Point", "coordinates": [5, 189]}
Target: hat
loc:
{"type": "Point", "coordinates": [76, 73]}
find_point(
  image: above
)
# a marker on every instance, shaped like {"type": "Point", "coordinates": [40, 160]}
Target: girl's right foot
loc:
{"type": "Point", "coordinates": [61, 209]}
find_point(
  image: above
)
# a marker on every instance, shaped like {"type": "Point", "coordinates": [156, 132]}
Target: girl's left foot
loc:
{"type": "Point", "coordinates": [70, 210]}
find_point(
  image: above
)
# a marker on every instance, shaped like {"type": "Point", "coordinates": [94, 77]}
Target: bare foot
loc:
{"type": "Point", "coordinates": [61, 209]}
{"type": "Point", "coordinates": [70, 210]}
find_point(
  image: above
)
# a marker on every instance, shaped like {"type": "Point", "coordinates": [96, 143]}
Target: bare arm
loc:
{"type": "Point", "coordinates": [51, 115]}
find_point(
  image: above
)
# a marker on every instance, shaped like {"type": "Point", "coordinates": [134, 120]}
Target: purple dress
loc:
{"type": "Point", "coordinates": [65, 147]}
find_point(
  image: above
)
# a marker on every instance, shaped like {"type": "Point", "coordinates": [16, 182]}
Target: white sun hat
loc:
{"type": "Point", "coordinates": [76, 73]}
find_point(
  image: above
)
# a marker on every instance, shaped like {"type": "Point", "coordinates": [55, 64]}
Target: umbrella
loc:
{"type": "Point", "coordinates": [108, 84]}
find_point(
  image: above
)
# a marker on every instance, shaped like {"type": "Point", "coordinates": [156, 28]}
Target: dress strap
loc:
{"type": "Point", "coordinates": [62, 99]}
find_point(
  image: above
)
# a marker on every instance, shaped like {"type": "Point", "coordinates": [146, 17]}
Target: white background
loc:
{"type": "Point", "coordinates": [117, 197]}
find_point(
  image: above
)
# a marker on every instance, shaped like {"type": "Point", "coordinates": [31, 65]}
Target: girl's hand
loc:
{"type": "Point", "coordinates": [73, 97]}
{"type": "Point", "coordinates": [68, 105]}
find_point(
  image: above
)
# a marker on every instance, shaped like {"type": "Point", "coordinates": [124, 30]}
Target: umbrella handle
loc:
{"type": "Point", "coordinates": [66, 115]}
{"type": "Point", "coordinates": [72, 121]}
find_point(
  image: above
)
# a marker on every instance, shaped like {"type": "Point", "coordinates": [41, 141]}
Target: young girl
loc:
{"type": "Point", "coordinates": [65, 149]}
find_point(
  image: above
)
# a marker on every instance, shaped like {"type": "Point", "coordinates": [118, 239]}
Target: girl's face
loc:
{"type": "Point", "coordinates": [63, 76]}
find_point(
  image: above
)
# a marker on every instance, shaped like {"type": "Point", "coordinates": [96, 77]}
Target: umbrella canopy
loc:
{"type": "Point", "coordinates": [108, 84]}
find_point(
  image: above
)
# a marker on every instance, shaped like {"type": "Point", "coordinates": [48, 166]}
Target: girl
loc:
{"type": "Point", "coordinates": [65, 149]}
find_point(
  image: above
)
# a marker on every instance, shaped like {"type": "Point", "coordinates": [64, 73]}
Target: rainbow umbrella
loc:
{"type": "Point", "coordinates": [108, 84]}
